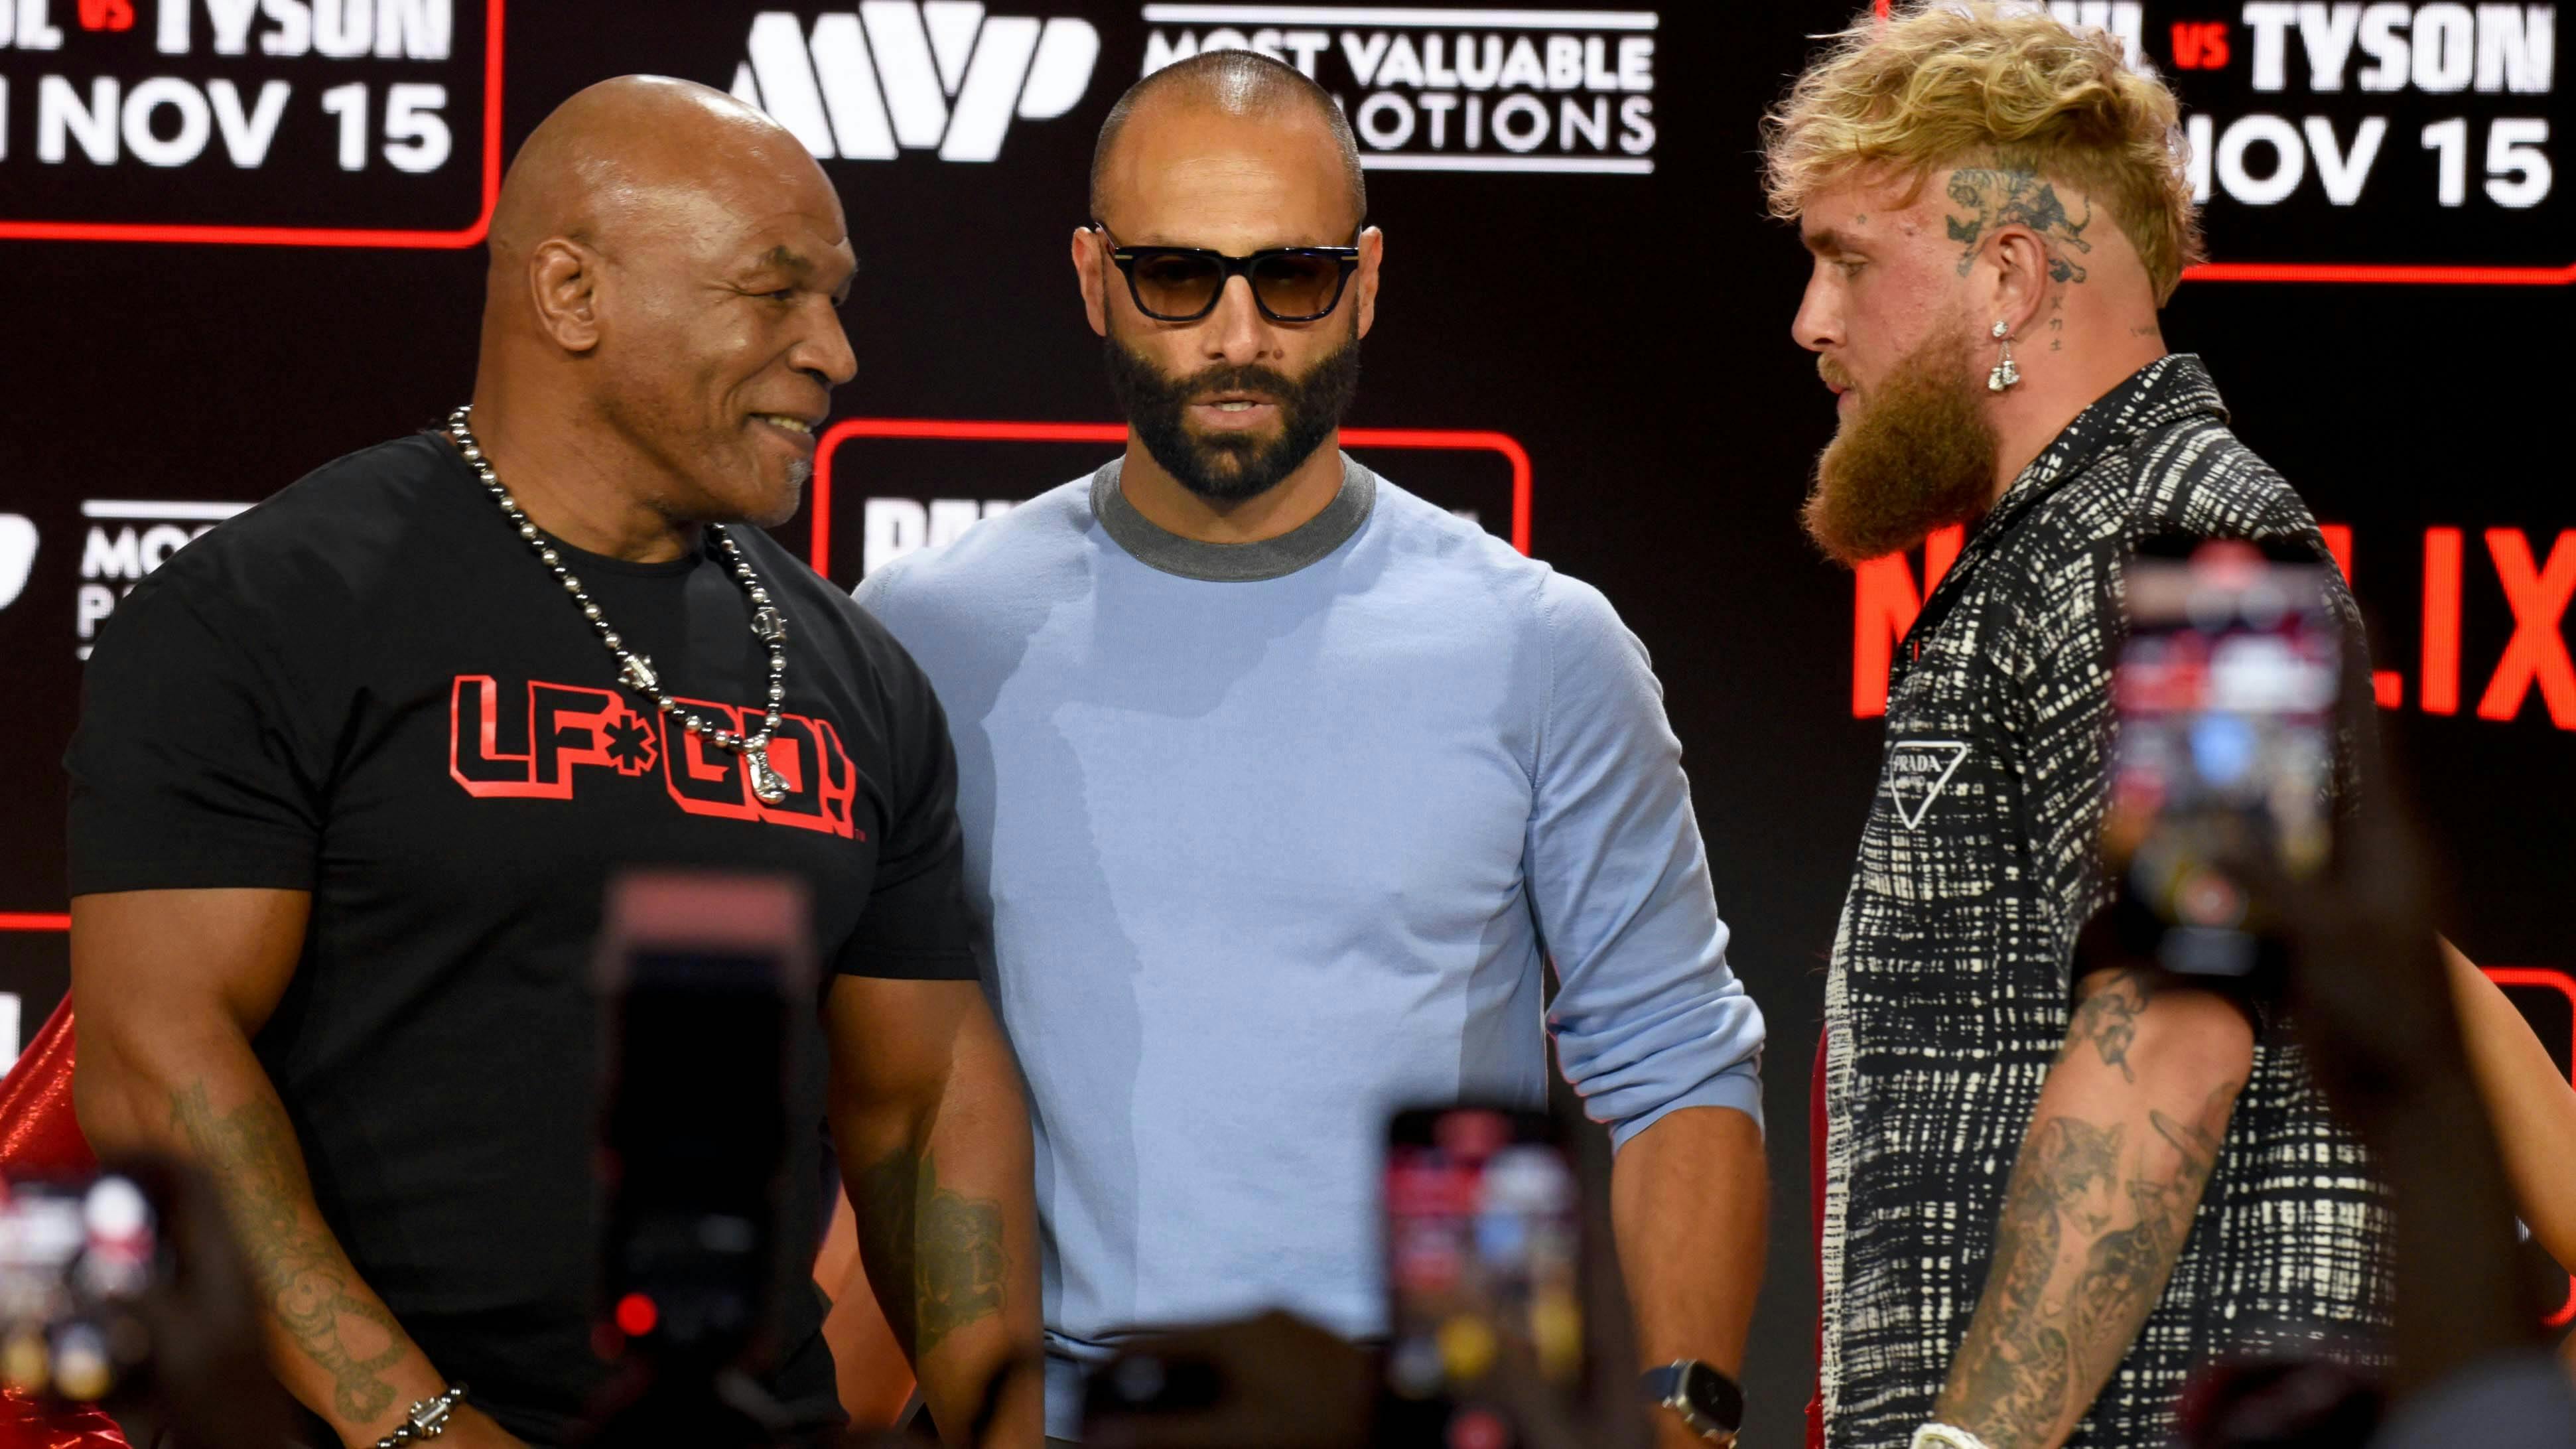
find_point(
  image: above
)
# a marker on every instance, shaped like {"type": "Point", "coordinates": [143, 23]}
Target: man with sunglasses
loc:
{"type": "Point", "coordinates": [1282, 786]}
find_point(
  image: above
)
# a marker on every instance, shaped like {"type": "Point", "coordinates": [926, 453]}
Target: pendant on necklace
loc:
{"type": "Point", "coordinates": [765, 782]}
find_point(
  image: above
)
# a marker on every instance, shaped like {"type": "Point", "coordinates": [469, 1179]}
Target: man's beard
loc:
{"type": "Point", "coordinates": [1231, 467]}
{"type": "Point", "coordinates": [1918, 453]}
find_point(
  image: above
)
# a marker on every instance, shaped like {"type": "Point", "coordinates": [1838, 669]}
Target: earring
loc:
{"type": "Point", "coordinates": [2005, 374]}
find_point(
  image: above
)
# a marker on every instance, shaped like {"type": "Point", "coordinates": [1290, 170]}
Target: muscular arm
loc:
{"type": "Point", "coordinates": [1689, 1201]}
{"type": "Point", "coordinates": [2123, 1140]}
{"type": "Point", "coordinates": [933, 1133]}
{"type": "Point", "coordinates": [168, 987]}
{"type": "Point", "coordinates": [874, 1376]}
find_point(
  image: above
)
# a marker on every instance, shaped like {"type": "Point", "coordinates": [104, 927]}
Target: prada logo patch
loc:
{"type": "Point", "coordinates": [1917, 772]}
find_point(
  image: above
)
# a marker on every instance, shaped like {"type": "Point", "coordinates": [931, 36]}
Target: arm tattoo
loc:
{"type": "Point", "coordinates": [2088, 1236]}
{"type": "Point", "coordinates": [312, 1290]}
{"type": "Point", "coordinates": [2021, 1373]}
{"type": "Point", "coordinates": [933, 1254]}
{"type": "Point", "coordinates": [2107, 1017]}
{"type": "Point", "coordinates": [1996, 199]}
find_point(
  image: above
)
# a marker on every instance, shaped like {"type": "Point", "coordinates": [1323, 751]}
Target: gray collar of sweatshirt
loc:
{"type": "Point", "coordinates": [1234, 563]}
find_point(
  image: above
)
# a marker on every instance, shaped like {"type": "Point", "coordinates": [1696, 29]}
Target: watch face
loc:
{"type": "Point", "coordinates": [1712, 1396]}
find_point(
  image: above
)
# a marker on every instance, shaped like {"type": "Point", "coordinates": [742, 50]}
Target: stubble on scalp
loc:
{"type": "Point", "coordinates": [1917, 453]}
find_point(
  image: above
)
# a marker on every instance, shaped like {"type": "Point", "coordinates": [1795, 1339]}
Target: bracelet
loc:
{"type": "Point", "coordinates": [428, 1419]}
{"type": "Point", "coordinates": [1938, 1435]}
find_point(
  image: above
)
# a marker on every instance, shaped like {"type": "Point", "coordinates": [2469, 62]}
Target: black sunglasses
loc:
{"type": "Point", "coordinates": [1182, 284]}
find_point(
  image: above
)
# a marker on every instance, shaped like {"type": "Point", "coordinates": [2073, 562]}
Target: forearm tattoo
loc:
{"type": "Point", "coordinates": [2106, 1018]}
{"type": "Point", "coordinates": [2089, 1233]}
{"type": "Point", "coordinates": [934, 1255]}
{"type": "Point", "coordinates": [312, 1290]}
{"type": "Point", "coordinates": [1985, 201]}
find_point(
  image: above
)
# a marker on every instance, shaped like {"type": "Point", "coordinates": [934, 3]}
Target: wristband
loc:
{"type": "Point", "coordinates": [426, 1419]}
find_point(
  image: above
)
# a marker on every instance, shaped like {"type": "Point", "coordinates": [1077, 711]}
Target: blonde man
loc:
{"type": "Point", "coordinates": [2052, 1192]}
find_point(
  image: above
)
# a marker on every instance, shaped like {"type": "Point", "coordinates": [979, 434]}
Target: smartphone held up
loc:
{"type": "Point", "coordinates": [2226, 692]}
{"type": "Point", "coordinates": [76, 1257]}
{"type": "Point", "coordinates": [1484, 1245]}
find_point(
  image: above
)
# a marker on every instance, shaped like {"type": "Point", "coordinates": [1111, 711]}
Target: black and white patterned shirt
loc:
{"type": "Point", "coordinates": [1950, 993]}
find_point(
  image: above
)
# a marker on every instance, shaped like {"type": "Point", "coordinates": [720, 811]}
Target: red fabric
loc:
{"type": "Point", "coordinates": [39, 1136]}
{"type": "Point", "coordinates": [38, 1133]}
{"type": "Point", "coordinates": [24, 1425]}
{"type": "Point", "coordinates": [1816, 1205]}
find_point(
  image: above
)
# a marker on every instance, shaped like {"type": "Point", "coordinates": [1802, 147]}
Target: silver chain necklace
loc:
{"type": "Point", "coordinates": [635, 671]}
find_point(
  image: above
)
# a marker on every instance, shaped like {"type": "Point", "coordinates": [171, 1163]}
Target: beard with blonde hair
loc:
{"type": "Point", "coordinates": [1916, 454]}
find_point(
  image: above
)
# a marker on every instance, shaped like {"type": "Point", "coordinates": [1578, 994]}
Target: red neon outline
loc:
{"type": "Point", "coordinates": [2564, 985]}
{"type": "Point", "coordinates": [35, 921]}
{"type": "Point", "coordinates": [310, 236]}
{"type": "Point", "coordinates": [819, 549]}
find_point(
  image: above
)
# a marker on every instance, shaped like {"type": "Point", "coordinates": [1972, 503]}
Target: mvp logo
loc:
{"type": "Point", "coordinates": [895, 76]}
{"type": "Point", "coordinates": [129, 538]}
{"type": "Point", "coordinates": [1564, 91]}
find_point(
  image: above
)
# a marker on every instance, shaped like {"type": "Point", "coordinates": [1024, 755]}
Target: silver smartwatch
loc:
{"type": "Point", "coordinates": [1710, 1404]}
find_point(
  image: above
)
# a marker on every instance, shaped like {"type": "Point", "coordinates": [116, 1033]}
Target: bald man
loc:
{"type": "Point", "coordinates": [353, 768]}
{"type": "Point", "coordinates": [1283, 787]}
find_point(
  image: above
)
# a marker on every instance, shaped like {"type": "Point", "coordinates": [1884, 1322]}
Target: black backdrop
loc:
{"type": "Point", "coordinates": [1604, 290]}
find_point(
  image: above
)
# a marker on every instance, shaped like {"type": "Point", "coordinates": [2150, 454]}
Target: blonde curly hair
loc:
{"type": "Point", "coordinates": [1943, 82]}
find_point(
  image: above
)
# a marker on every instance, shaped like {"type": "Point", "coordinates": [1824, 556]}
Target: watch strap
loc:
{"type": "Point", "coordinates": [1666, 1385]}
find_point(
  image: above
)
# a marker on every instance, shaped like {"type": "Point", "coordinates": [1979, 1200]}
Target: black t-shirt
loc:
{"type": "Point", "coordinates": [368, 688]}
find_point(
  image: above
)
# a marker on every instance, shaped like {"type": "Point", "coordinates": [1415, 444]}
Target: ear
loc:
{"type": "Point", "coordinates": [1372, 254]}
{"type": "Point", "coordinates": [1090, 264]}
{"type": "Point", "coordinates": [2020, 259]}
{"type": "Point", "coordinates": [563, 287]}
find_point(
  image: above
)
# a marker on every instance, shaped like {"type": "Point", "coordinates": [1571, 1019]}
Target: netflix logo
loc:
{"type": "Point", "coordinates": [2535, 661]}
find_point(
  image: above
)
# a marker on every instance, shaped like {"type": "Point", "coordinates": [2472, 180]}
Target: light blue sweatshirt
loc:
{"type": "Point", "coordinates": [1275, 839]}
